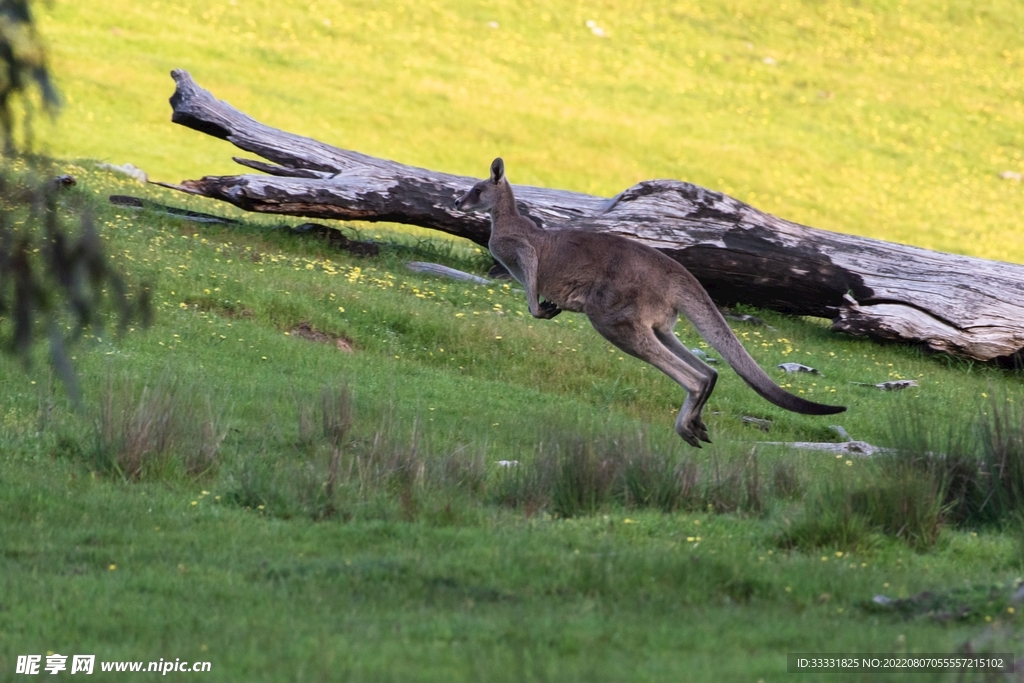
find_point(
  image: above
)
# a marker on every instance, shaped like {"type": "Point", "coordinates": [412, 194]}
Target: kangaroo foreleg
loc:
{"type": "Point", "coordinates": [528, 268]}
{"type": "Point", "coordinates": [548, 309]}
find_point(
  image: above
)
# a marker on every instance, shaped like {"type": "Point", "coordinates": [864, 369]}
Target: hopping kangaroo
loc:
{"type": "Point", "coordinates": [632, 294]}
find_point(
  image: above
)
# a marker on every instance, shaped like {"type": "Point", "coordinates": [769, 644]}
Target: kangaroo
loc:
{"type": "Point", "coordinates": [631, 293]}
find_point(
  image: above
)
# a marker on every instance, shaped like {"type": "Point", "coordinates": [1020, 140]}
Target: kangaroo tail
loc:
{"type": "Point", "coordinates": [696, 304]}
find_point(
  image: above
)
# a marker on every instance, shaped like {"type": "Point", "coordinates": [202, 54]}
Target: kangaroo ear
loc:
{"type": "Point", "coordinates": [497, 170]}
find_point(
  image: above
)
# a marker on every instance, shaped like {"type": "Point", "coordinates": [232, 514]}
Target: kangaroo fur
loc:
{"type": "Point", "coordinates": [633, 295]}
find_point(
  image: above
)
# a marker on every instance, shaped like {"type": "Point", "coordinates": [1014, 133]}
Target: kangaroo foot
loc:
{"type": "Point", "coordinates": [702, 431]}
{"type": "Point", "coordinates": [689, 437]}
{"type": "Point", "coordinates": [693, 432]}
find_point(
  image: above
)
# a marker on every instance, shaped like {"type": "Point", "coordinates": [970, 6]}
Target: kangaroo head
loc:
{"type": "Point", "coordinates": [484, 195]}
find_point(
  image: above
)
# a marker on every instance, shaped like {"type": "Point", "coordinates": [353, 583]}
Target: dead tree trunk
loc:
{"type": "Point", "coordinates": [953, 304]}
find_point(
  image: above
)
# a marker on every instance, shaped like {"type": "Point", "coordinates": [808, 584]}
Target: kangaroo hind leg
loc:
{"type": "Point", "coordinates": [642, 342]}
{"type": "Point", "coordinates": [696, 408]}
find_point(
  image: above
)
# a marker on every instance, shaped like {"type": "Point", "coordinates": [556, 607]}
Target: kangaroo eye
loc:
{"type": "Point", "coordinates": [476, 192]}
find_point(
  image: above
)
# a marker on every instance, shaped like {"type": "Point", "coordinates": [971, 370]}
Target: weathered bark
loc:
{"type": "Point", "coordinates": [950, 303]}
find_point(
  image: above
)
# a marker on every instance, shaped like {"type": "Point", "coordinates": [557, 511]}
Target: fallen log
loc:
{"type": "Point", "coordinates": [949, 303]}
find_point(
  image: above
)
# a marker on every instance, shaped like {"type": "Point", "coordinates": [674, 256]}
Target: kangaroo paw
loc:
{"type": "Point", "coordinates": [548, 310]}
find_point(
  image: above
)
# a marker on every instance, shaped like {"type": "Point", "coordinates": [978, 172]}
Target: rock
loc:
{"type": "Point", "coordinates": [129, 170]}
{"type": "Point", "coordinates": [798, 367]}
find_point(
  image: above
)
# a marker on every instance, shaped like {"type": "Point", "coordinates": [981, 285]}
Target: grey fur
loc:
{"type": "Point", "coordinates": [632, 294]}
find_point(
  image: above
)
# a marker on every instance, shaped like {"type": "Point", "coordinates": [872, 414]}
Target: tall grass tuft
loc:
{"type": "Point", "coordinates": [829, 519]}
{"type": "Point", "coordinates": [336, 418]}
{"type": "Point", "coordinates": [575, 473]}
{"type": "Point", "coordinates": [901, 497]}
{"type": "Point", "coordinates": [1002, 439]}
{"type": "Point", "coordinates": [156, 432]}
{"type": "Point", "coordinates": [907, 500]}
{"type": "Point", "coordinates": [659, 480]}
{"type": "Point", "coordinates": [931, 479]}
{"type": "Point", "coordinates": [581, 473]}
{"type": "Point", "coordinates": [964, 476]}
{"type": "Point", "coordinates": [786, 483]}
{"type": "Point", "coordinates": [735, 485]}
{"type": "Point", "coordinates": [336, 471]}
{"type": "Point", "coordinates": [979, 468]}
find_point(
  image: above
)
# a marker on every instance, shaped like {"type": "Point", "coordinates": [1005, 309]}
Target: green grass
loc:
{"type": "Point", "coordinates": [501, 599]}
{"type": "Point", "coordinates": [880, 119]}
{"type": "Point", "coordinates": [397, 548]}
{"type": "Point", "coordinates": [462, 569]}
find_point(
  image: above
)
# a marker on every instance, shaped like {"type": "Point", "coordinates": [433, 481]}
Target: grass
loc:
{"type": "Point", "coordinates": [235, 491]}
{"type": "Point", "coordinates": [880, 119]}
{"type": "Point", "coordinates": [352, 504]}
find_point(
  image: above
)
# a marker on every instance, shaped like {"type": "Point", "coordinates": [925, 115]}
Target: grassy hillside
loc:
{"type": "Point", "coordinates": [882, 118]}
{"type": "Point", "coordinates": [238, 489]}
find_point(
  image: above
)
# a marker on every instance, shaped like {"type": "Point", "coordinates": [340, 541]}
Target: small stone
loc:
{"type": "Point", "coordinates": [703, 356]}
{"type": "Point", "coordinates": [798, 367]}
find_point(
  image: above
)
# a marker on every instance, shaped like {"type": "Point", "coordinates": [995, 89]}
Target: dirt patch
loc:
{"type": "Point", "coordinates": [306, 331]}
